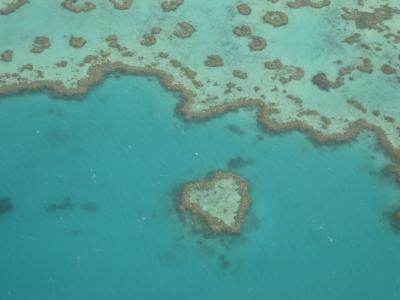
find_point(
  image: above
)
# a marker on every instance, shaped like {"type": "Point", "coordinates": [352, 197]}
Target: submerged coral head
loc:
{"type": "Point", "coordinates": [5, 206]}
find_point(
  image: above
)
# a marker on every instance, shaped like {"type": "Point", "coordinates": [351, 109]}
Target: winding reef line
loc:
{"type": "Point", "coordinates": [98, 73]}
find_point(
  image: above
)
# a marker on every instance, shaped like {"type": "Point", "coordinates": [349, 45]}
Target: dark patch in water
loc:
{"type": "Point", "coordinates": [251, 222]}
{"type": "Point", "coordinates": [56, 137]}
{"type": "Point", "coordinates": [76, 232]}
{"type": "Point", "coordinates": [394, 218]}
{"type": "Point", "coordinates": [65, 204]}
{"type": "Point", "coordinates": [321, 81]}
{"type": "Point", "coordinates": [259, 137]}
{"type": "Point", "coordinates": [89, 206]}
{"type": "Point", "coordinates": [55, 112]}
{"type": "Point", "coordinates": [235, 129]}
{"type": "Point", "coordinates": [167, 258]}
{"type": "Point", "coordinates": [223, 262]}
{"type": "Point", "coordinates": [390, 172]}
{"type": "Point", "coordinates": [239, 162]}
{"type": "Point", "coordinates": [5, 206]}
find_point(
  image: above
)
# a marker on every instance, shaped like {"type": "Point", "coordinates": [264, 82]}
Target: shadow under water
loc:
{"type": "Point", "coordinates": [235, 129]}
{"type": "Point", "coordinates": [65, 204]}
{"type": "Point", "coordinates": [393, 217]}
{"type": "Point", "coordinates": [5, 206]}
{"type": "Point", "coordinates": [89, 207]}
{"type": "Point", "coordinates": [239, 162]}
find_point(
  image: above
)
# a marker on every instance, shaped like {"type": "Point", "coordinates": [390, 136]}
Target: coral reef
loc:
{"type": "Point", "coordinates": [27, 67]}
{"type": "Point", "coordinates": [7, 56]}
{"type": "Point", "coordinates": [184, 30]}
{"type": "Point", "coordinates": [239, 74]}
{"type": "Point", "coordinates": [77, 42]}
{"type": "Point", "coordinates": [276, 18]}
{"type": "Point", "coordinates": [122, 4]}
{"type": "Point", "coordinates": [244, 9]}
{"type": "Point", "coordinates": [156, 30]}
{"type": "Point", "coordinates": [214, 61]}
{"type": "Point", "coordinates": [221, 200]}
{"type": "Point", "coordinates": [370, 20]}
{"type": "Point", "coordinates": [76, 7]}
{"type": "Point", "coordinates": [172, 5]}
{"type": "Point", "coordinates": [243, 30]}
{"type": "Point", "coordinates": [272, 82]}
{"type": "Point", "coordinates": [257, 43]}
{"type": "Point", "coordinates": [40, 44]}
{"type": "Point", "coordinates": [284, 73]}
{"type": "Point", "coordinates": [357, 105]}
{"type": "Point", "coordinates": [148, 39]}
{"type": "Point", "coordinates": [62, 64]}
{"type": "Point", "coordinates": [388, 69]}
{"type": "Point", "coordinates": [310, 3]}
{"type": "Point", "coordinates": [322, 81]}
{"type": "Point", "coordinates": [12, 7]}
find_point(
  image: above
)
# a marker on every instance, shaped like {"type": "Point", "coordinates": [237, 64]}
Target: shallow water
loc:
{"type": "Point", "coordinates": [316, 228]}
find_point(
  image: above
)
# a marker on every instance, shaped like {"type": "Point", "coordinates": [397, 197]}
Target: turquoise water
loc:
{"type": "Point", "coordinates": [316, 228]}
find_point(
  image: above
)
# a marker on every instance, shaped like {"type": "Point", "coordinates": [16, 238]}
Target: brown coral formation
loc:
{"type": "Point", "coordinates": [216, 222]}
{"type": "Point", "coordinates": [257, 43]}
{"type": "Point", "coordinates": [322, 81]}
{"type": "Point", "coordinates": [357, 105]}
{"type": "Point", "coordinates": [394, 218]}
{"type": "Point", "coordinates": [122, 4]}
{"type": "Point", "coordinates": [284, 73]}
{"type": "Point", "coordinates": [88, 59]}
{"type": "Point", "coordinates": [172, 5]}
{"type": "Point", "coordinates": [26, 67]}
{"type": "Point", "coordinates": [40, 44]}
{"type": "Point", "coordinates": [239, 74]}
{"type": "Point", "coordinates": [370, 20]}
{"type": "Point", "coordinates": [112, 41]}
{"type": "Point", "coordinates": [388, 69]}
{"type": "Point", "coordinates": [12, 6]}
{"type": "Point", "coordinates": [148, 39]}
{"type": "Point", "coordinates": [184, 30]}
{"type": "Point", "coordinates": [389, 119]}
{"type": "Point", "coordinates": [7, 56]}
{"type": "Point", "coordinates": [76, 7]}
{"type": "Point", "coordinates": [77, 42]}
{"type": "Point", "coordinates": [325, 122]}
{"type": "Point", "coordinates": [244, 9]}
{"type": "Point", "coordinates": [308, 112]}
{"type": "Point", "coordinates": [243, 30]}
{"type": "Point", "coordinates": [62, 64]}
{"type": "Point", "coordinates": [214, 61]}
{"type": "Point", "coordinates": [352, 39]}
{"type": "Point", "coordinates": [276, 18]}
{"type": "Point", "coordinates": [366, 66]}
{"type": "Point", "coordinates": [309, 3]}
{"type": "Point", "coordinates": [393, 170]}
{"type": "Point", "coordinates": [156, 30]}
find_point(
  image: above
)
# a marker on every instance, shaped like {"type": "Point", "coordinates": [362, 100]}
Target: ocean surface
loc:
{"type": "Point", "coordinates": [93, 182]}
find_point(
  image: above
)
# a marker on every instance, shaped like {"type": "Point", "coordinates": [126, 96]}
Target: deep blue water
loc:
{"type": "Point", "coordinates": [316, 228]}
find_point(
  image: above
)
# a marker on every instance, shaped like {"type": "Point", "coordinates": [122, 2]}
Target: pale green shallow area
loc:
{"type": "Point", "coordinates": [313, 41]}
{"type": "Point", "coordinates": [221, 200]}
